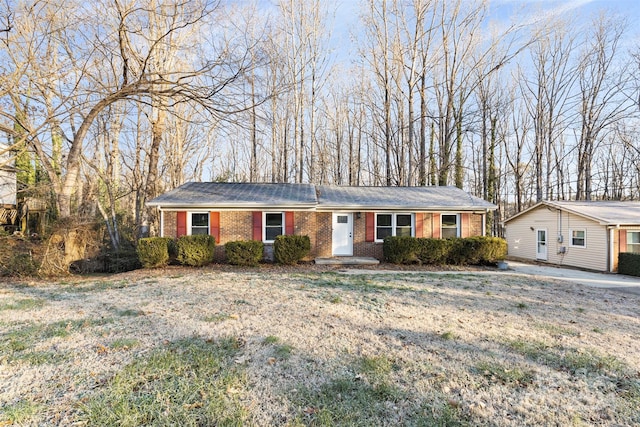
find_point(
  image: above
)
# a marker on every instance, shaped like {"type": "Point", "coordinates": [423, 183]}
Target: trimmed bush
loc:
{"type": "Point", "coordinates": [469, 250]}
{"type": "Point", "coordinates": [629, 263]}
{"type": "Point", "coordinates": [244, 252]}
{"type": "Point", "coordinates": [434, 251]}
{"type": "Point", "coordinates": [153, 251]}
{"type": "Point", "coordinates": [195, 250]}
{"type": "Point", "coordinates": [401, 250]}
{"type": "Point", "coordinates": [291, 249]}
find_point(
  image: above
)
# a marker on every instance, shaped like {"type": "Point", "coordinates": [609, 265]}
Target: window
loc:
{"type": "Point", "coordinates": [633, 242]}
{"type": "Point", "coordinates": [449, 228]}
{"type": "Point", "coordinates": [578, 238]}
{"type": "Point", "coordinates": [399, 224]}
{"type": "Point", "coordinates": [273, 225]}
{"type": "Point", "coordinates": [199, 223]}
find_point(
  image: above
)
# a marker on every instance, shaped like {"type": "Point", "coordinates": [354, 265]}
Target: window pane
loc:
{"type": "Point", "coordinates": [449, 220]}
{"type": "Point", "coordinates": [384, 220]}
{"type": "Point", "coordinates": [199, 230]}
{"type": "Point", "coordinates": [633, 237]}
{"type": "Point", "coordinates": [272, 232]}
{"type": "Point", "coordinates": [403, 231]}
{"type": "Point", "coordinates": [403, 220]}
{"type": "Point", "coordinates": [449, 233]}
{"type": "Point", "coordinates": [577, 237]}
{"type": "Point", "coordinates": [200, 220]}
{"type": "Point", "coordinates": [382, 232]}
{"type": "Point", "coordinates": [273, 219]}
{"type": "Point", "coordinates": [633, 248]}
{"type": "Point", "coordinates": [343, 219]}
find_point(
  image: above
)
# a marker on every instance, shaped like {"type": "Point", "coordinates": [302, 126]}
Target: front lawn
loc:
{"type": "Point", "coordinates": [297, 348]}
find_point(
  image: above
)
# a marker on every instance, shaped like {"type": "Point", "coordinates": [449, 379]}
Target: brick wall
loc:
{"type": "Point", "coordinates": [360, 246]}
{"type": "Point", "coordinates": [323, 234]}
{"type": "Point", "coordinates": [305, 224]}
{"type": "Point", "coordinates": [170, 226]}
{"type": "Point", "coordinates": [475, 225]}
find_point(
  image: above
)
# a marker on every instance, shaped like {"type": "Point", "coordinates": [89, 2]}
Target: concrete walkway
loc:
{"type": "Point", "coordinates": [593, 279]}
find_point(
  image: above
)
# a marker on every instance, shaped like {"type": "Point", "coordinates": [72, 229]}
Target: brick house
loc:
{"type": "Point", "coordinates": [340, 221]}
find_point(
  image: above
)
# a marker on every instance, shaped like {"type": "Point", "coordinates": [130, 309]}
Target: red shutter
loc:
{"type": "Point", "coordinates": [214, 225]}
{"type": "Point", "coordinates": [465, 230]}
{"type": "Point", "coordinates": [288, 223]}
{"type": "Point", "coordinates": [622, 236]}
{"type": "Point", "coordinates": [181, 222]}
{"type": "Point", "coordinates": [257, 226]}
{"type": "Point", "coordinates": [419, 224]}
{"type": "Point", "coordinates": [370, 224]}
{"type": "Point", "coordinates": [435, 218]}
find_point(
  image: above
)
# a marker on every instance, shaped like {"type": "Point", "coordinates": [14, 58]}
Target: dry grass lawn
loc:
{"type": "Point", "coordinates": [311, 347]}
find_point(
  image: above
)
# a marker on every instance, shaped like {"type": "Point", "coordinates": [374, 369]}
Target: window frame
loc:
{"type": "Point", "coordinates": [264, 225]}
{"type": "Point", "coordinates": [458, 224]}
{"type": "Point", "coordinates": [633, 244]}
{"type": "Point", "coordinates": [394, 224]}
{"type": "Point", "coordinates": [584, 238]}
{"type": "Point", "coordinates": [190, 222]}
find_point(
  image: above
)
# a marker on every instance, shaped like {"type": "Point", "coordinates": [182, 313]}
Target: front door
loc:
{"type": "Point", "coordinates": [342, 235]}
{"type": "Point", "coordinates": [541, 244]}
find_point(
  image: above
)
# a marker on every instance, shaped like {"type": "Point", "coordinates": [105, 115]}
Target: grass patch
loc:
{"type": "Point", "coordinates": [191, 382]}
{"type": "Point", "coordinates": [283, 351]}
{"type": "Point", "coordinates": [522, 306]}
{"type": "Point", "coordinates": [505, 375]}
{"type": "Point", "coordinates": [124, 343]}
{"type": "Point", "coordinates": [20, 412]}
{"type": "Point", "coordinates": [568, 359]}
{"type": "Point", "coordinates": [217, 318]}
{"type": "Point", "coordinates": [129, 312]}
{"type": "Point", "coordinates": [19, 342]}
{"type": "Point", "coordinates": [23, 304]}
{"type": "Point", "coordinates": [448, 336]}
{"type": "Point", "coordinates": [271, 339]}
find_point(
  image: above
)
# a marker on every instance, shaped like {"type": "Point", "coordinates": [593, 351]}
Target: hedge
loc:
{"type": "Point", "coordinates": [629, 263]}
{"type": "Point", "coordinates": [244, 252]}
{"type": "Point", "coordinates": [195, 250]}
{"type": "Point", "coordinates": [460, 251]}
{"type": "Point", "coordinates": [153, 251]}
{"type": "Point", "coordinates": [291, 249]}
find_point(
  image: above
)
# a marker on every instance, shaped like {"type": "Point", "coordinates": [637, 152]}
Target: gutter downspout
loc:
{"type": "Point", "coordinates": [611, 247]}
{"type": "Point", "coordinates": [484, 223]}
{"type": "Point", "coordinates": [161, 222]}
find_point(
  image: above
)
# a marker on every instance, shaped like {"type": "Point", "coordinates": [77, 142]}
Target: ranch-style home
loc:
{"type": "Point", "coordinates": [340, 221]}
{"type": "Point", "coordinates": [582, 234]}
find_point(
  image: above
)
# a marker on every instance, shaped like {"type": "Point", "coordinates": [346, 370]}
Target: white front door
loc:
{"type": "Point", "coordinates": [342, 235]}
{"type": "Point", "coordinates": [541, 244]}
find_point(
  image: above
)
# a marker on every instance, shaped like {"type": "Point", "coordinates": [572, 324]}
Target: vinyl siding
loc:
{"type": "Point", "coordinates": [521, 239]}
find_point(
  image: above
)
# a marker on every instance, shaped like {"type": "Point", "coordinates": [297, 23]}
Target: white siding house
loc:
{"type": "Point", "coordinates": [581, 234]}
{"type": "Point", "coordinates": [7, 179]}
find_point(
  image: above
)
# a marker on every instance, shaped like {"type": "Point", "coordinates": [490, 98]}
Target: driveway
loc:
{"type": "Point", "coordinates": [616, 282]}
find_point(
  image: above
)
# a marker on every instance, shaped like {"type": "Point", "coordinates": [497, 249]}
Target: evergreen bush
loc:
{"type": "Point", "coordinates": [153, 251]}
{"type": "Point", "coordinates": [434, 251]}
{"type": "Point", "coordinates": [195, 250]}
{"type": "Point", "coordinates": [461, 251]}
{"type": "Point", "coordinates": [291, 249]}
{"type": "Point", "coordinates": [244, 252]}
{"type": "Point", "coordinates": [401, 249]}
{"type": "Point", "coordinates": [629, 263]}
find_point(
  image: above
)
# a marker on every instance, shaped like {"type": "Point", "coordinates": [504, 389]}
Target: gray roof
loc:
{"type": "Point", "coordinates": [238, 195]}
{"type": "Point", "coordinates": [609, 212]}
{"type": "Point", "coordinates": [321, 197]}
{"type": "Point", "coordinates": [396, 198]}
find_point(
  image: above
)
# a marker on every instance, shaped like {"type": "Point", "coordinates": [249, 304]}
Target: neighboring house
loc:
{"type": "Point", "coordinates": [7, 179]}
{"type": "Point", "coordinates": [8, 211]}
{"type": "Point", "coordinates": [582, 234]}
{"type": "Point", "coordinates": [340, 221]}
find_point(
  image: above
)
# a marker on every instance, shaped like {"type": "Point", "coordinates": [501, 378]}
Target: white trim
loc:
{"type": "Point", "coordinates": [394, 223]}
{"type": "Point", "coordinates": [546, 244]}
{"type": "Point", "coordinates": [264, 224]}
{"type": "Point", "coordinates": [189, 220]}
{"type": "Point", "coordinates": [458, 223]}
{"type": "Point", "coordinates": [162, 223]}
{"type": "Point", "coordinates": [571, 230]}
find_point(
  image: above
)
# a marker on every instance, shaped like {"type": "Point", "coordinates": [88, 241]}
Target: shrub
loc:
{"type": "Point", "coordinates": [469, 250]}
{"type": "Point", "coordinates": [244, 252]}
{"type": "Point", "coordinates": [400, 250]}
{"type": "Point", "coordinates": [196, 250]}
{"type": "Point", "coordinates": [153, 251]}
{"type": "Point", "coordinates": [291, 249]}
{"type": "Point", "coordinates": [434, 251]}
{"type": "Point", "coordinates": [629, 263]}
